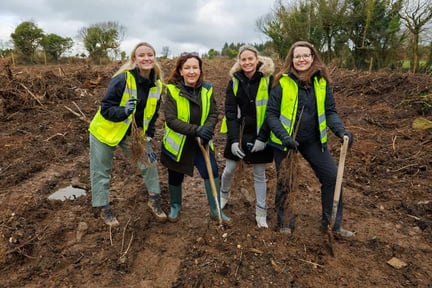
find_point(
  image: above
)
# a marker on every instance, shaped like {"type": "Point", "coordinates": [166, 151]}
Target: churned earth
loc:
{"type": "Point", "coordinates": [45, 112]}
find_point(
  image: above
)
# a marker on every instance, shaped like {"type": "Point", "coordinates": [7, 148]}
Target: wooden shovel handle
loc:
{"type": "Point", "coordinates": [206, 153]}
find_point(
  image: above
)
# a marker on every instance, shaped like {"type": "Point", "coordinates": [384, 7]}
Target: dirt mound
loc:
{"type": "Point", "coordinates": [44, 116]}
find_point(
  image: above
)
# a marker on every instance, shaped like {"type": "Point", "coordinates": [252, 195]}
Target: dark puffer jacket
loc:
{"type": "Point", "coordinates": [240, 113]}
{"type": "Point", "coordinates": [186, 163]}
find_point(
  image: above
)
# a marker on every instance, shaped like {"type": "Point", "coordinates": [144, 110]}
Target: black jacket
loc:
{"type": "Point", "coordinates": [308, 130]}
{"type": "Point", "coordinates": [240, 113]}
{"type": "Point", "coordinates": [111, 110]}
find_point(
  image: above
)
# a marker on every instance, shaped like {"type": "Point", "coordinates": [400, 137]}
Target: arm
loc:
{"type": "Point", "coordinates": [332, 117]}
{"type": "Point", "coordinates": [110, 104]}
{"type": "Point", "coordinates": [170, 111]}
{"type": "Point", "coordinates": [231, 114]}
{"type": "Point", "coordinates": [273, 113]}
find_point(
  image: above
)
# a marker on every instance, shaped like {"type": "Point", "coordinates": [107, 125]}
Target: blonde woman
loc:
{"type": "Point", "coordinates": [247, 133]}
{"type": "Point", "coordinates": [133, 95]}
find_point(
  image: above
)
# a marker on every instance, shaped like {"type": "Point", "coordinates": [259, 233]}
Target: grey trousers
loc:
{"type": "Point", "coordinates": [101, 156]}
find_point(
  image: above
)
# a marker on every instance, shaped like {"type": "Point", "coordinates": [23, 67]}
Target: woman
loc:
{"type": "Point", "coordinates": [190, 112]}
{"type": "Point", "coordinates": [245, 106]}
{"type": "Point", "coordinates": [133, 95]}
{"type": "Point", "coordinates": [302, 99]}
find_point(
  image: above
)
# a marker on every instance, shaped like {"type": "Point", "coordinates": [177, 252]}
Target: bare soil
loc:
{"type": "Point", "coordinates": [44, 116]}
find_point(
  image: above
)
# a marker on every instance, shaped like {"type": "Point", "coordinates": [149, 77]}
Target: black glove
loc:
{"type": "Point", "coordinates": [350, 137]}
{"type": "Point", "coordinates": [204, 133]}
{"type": "Point", "coordinates": [290, 143]}
{"type": "Point", "coordinates": [130, 105]}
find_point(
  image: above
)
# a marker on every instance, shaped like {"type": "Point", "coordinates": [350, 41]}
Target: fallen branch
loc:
{"type": "Point", "coordinates": [31, 94]}
{"type": "Point", "coordinates": [312, 263]}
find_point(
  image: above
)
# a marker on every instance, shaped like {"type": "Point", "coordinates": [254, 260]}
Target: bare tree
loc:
{"type": "Point", "coordinates": [416, 15]}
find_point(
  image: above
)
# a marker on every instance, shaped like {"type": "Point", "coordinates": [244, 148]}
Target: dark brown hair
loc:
{"type": "Point", "coordinates": [175, 76]}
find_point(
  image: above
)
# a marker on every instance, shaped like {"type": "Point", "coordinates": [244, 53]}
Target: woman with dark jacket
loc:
{"type": "Point", "coordinates": [190, 113]}
{"type": "Point", "coordinates": [302, 100]}
{"type": "Point", "coordinates": [133, 95]}
{"type": "Point", "coordinates": [245, 107]}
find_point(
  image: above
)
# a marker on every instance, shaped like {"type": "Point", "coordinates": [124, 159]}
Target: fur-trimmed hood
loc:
{"type": "Point", "coordinates": [265, 64]}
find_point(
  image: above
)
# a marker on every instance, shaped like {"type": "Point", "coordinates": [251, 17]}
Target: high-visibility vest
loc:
{"type": "Point", "coordinates": [174, 141]}
{"type": "Point", "coordinates": [260, 102]}
{"type": "Point", "coordinates": [289, 103]}
{"type": "Point", "coordinates": [111, 133]}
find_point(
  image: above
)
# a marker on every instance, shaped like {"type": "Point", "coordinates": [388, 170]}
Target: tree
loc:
{"type": "Point", "coordinates": [416, 15]}
{"type": "Point", "coordinates": [165, 51]}
{"type": "Point", "coordinates": [288, 24]}
{"type": "Point", "coordinates": [102, 39]}
{"type": "Point", "coordinates": [55, 45]}
{"type": "Point", "coordinates": [26, 39]}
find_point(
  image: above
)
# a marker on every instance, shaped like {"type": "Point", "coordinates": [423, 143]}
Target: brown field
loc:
{"type": "Point", "coordinates": [44, 116]}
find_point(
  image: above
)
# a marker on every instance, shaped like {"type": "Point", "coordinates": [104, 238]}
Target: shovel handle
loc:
{"type": "Point", "coordinates": [339, 178]}
{"type": "Point", "coordinates": [206, 153]}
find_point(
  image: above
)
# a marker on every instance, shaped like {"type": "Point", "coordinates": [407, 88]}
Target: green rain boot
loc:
{"type": "Point", "coordinates": [175, 193]}
{"type": "Point", "coordinates": [210, 198]}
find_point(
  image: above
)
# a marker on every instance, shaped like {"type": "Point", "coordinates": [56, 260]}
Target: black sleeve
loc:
{"type": "Point", "coordinates": [110, 104]}
{"type": "Point", "coordinates": [231, 114]}
{"type": "Point", "coordinates": [273, 112]}
{"type": "Point", "coordinates": [332, 117]}
{"type": "Point", "coordinates": [152, 125]}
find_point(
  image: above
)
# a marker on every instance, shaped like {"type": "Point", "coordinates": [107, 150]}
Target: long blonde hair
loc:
{"type": "Point", "coordinates": [130, 63]}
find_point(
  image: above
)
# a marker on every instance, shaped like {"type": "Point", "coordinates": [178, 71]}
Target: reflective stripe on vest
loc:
{"type": "Point", "coordinates": [289, 103]}
{"type": "Point", "coordinates": [111, 133]}
{"type": "Point", "coordinates": [174, 141]}
{"type": "Point", "coordinates": [260, 102]}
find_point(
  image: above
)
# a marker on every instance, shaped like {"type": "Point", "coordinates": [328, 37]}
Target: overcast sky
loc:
{"type": "Point", "coordinates": [181, 25]}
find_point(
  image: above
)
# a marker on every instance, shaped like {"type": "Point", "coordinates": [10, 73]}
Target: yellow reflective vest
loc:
{"type": "Point", "coordinates": [289, 103]}
{"type": "Point", "coordinates": [261, 101]}
{"type": "Point", "coordinates": [111, 133]}
{"type": "Point", "coordinates": [174, 141]}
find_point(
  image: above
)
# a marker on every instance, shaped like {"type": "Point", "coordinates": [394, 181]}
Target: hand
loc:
{"type": "Point", "coordinates": [130, 105]}
{"type": "Point", "coordinates": [290, 143]}
{"type": "Point", "coordinates": [151, 155]}
{"type": "Point", "coordinates": [258, 146]}
{"type": "Point", "coordinates": [349, 135]}
{"type": "Point", "coordinates": [204, 133]}
{"type": "Point", "coordinates": [235, 149]}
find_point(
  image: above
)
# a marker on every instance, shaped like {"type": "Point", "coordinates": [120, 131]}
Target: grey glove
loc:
{"type": "Point", "coordinates": [151, 155]}
{"type": "Point", "coordinates": [258, 146]}
{"type": "Point", "coordinates": [130, 105]}
{"type": "Point", "coordinates": [235, 149]}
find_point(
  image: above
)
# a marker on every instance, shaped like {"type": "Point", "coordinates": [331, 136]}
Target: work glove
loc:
{"type": "Point", "coordinates": [235, 149]}
{"type": "Point", "coordinates": [205, 134]}
{"type": "Point", "coordinates": [290, 143]}
{"type": "Point", "coordinates": [258, 146]}
{"type": "Point", "coordinates": [350, 137]}
{"type": "Point", "coordinates": [130, 105]}
{"type": "Point", "coordinates": [151, 155]}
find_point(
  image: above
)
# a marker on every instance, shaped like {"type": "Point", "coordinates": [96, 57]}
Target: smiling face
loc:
{"type": "Point", "coordinates": [190, 71]}
{"type": "Point", "coordinates": [144, 59]}
{"type": "Point", "coordinates": [302, 58]}
{"type": "Point", "coordinates": [248, 62]}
